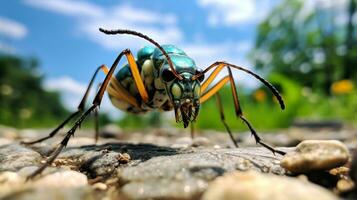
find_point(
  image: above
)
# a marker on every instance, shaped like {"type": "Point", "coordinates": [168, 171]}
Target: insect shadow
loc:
{"type": "Point", "coordinates": [102, 160]}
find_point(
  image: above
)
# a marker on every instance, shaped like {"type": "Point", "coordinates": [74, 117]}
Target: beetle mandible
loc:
{"type": "Point", "coordinates": [161, 78]}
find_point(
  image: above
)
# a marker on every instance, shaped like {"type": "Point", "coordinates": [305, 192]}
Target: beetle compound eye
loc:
{"type": "Point", "coordinates": [202, 77]}
{"type": "Point", "coordinates": [176, 91]}
{"type": "Point", "coordinates": [168, 75]}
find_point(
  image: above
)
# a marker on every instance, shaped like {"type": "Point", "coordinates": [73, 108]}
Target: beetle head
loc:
{"type": "Point", "coordinates": [184, 94]}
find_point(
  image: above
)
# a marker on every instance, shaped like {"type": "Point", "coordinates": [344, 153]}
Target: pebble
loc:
{"type": "Point", "coordinates": [340, 171]}
{"type": "Point", "coordinates": [8, 132]}
{"type": "Point", "coordinates": [111, 131]}
{"type": "Point", "coordinates": [41, 193]}
{"type": "Point", "coordinates": [314, 155]}
{"type": "Point", "coordinates": [123, 158]}
{"type": "Point", "coordinates": [14, 157]}
{"type": "Point", "coordinates": [12, 183]}
{"type": "Point", "coordinates": [345, 185]}
{"type": "Point", "coordinates": [182, 142]}
{"type": "Point", "coordinates": [99, 186]}
{"type": "Point", "coordinates": [258, 186]}
{"type": "Point", "coordinates": [5, 141]}
{"type": "Point", "coordinates": [62, 179]}
{"type": "Point", "coordinates": [200, 141]}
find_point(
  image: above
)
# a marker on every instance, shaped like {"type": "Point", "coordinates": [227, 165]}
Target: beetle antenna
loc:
{"type": "Point", "coordinates": [130, 32]}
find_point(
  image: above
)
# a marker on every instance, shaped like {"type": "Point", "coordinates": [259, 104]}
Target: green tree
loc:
{"type": "Point", "coordinates": [23, 101]}
{"type": "Point", "coordinates": [309, 43]}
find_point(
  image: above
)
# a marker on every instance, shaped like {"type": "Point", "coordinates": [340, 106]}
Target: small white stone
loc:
{"type": "Point", "coordinates": [10, 181]}
{"type": "Point", "coordinates": [62, 179]}
{"type": "Point", "coordinates": [10, 177]}
{"type": "Point", "coordinates": [257, 186]}
{"type": "Point", "coordinates": [99, 186]}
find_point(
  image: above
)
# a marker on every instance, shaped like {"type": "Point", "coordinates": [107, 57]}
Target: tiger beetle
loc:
{"type": "Point", "coordinates": [161, 78]}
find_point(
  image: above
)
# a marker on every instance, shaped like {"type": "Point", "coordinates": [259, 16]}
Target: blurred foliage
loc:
{"type": "Point", "coordinates": [23, 101]}
{"type": "Point", "coordinates": [134, 122]}
{"type": "Point", "coordinates": [310, 44]}
{"type": "Point", "coordinates": [262, 110]}
{"type": "Point", "coordinates": [342, 107]}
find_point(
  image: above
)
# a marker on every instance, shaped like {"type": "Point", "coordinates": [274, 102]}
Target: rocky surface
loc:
{"type": "Point", "coordinates": [166, 164]}
{"type": "Point", "coordinates": [187, 174]}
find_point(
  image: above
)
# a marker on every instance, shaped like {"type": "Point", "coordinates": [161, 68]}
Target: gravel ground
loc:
{"type": "Point", "coordinates": [168, 164]}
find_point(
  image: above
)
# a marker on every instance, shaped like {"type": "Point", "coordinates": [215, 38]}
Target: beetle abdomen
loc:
{"type": "Point", "coordinates": [154, 86]}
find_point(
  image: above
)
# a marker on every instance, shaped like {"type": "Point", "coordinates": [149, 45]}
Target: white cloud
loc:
{"type": "Point", "coordinates": [12, 29]}
{"type": "Point", "coordinates": [72, 92]}
{"type": "Point", "coordinates": [66, 84]}
{"type": "Point", "coordinates": [166, 34]}
{"type": "Point", "coordinates": [161, 27]}
{"type": "Point", "coordinates": [131, 14]}
{"type": "Point", "coordinates": [234, 12]}
{"type": "Point", "coordinates": [68, 7]}
{"type": "Point", "coordinates": [89, 17]}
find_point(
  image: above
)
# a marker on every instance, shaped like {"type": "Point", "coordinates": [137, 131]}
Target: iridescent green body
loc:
{"type": "Point", "coordinates": [151, 63]}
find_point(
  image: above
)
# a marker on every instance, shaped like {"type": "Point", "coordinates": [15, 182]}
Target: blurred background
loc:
{"type": "Point", "coordinates": [50, 49]}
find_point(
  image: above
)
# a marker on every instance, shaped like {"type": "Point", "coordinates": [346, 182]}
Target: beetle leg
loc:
{"type": "Point", "coordinates": [209, 93]}
{"type": "Point", "coordinates": [80, 109]}
{"type": "Point", "coordinates": [63, 143]}
{"type": "Point", "coordinates": [218, 64]}
{"type": "Point", "coordinates": [96, 103]}
{"type": "Point", "coordinates": [96, 120]}
{"type": "Point", "coordinates": [192, 130]}
{"type": "Point", "coordinates": [221, 111]}
{"type": "Point", "coordinates": [137, 77]}
{"type": "Point", "coordinates": [119, 92]}
{"type": "Point", "coordinates": [214, 90]}
{"type": "Point", "coordinates": [258, 140]}
{"type": "Point", "coordinates": [212, 76]}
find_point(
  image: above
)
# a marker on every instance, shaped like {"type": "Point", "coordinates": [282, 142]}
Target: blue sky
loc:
{"type": "Point", "coordinates": [64, 35]}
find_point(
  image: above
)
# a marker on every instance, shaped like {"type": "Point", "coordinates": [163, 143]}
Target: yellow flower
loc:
{"type": "Point", "coordinates": [342, 87]}
{"type": "Point", "coordinates": [260, 95]}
